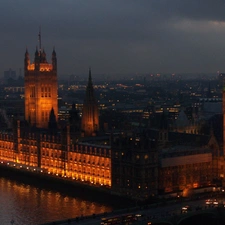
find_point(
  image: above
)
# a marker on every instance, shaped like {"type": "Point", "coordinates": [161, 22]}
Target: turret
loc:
{"type": "Point", "coordinates": [37, 59]}
{"type": "Point", "coordinates": [43, 57]}
{"type": "Point", "coordinates": [26, 60]}
{"type": "Point", "coordinates": [52, 124]}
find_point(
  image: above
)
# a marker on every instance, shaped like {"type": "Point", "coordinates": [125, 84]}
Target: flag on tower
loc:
{"type": "Point", "coordinates": [39, 38]}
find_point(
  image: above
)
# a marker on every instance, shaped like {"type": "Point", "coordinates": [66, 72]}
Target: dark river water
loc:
{"type": "Point", "coordinates": [25, 204]}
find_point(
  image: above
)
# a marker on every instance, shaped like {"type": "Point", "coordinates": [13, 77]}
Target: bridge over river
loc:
{"type": "Point", "coordinates": [159, 214]}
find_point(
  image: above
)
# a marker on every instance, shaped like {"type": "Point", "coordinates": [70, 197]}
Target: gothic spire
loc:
{"type": "Point", "coordinates": [26, 53]}
{"type": "Point", "coordinates": [90, 120]}
{"type": "Point", "coordinates": [26, 60]}
{"type": "Point", "coordinates": [36, 52]}
{"type": "Point", "coordinates": [53, 52]}
{"type": "Point", "coordinates": [89, 89]}
{"type": "Point", "coordinates": [89, 78]}
{"type": "Point", "coordinates": [52, 124]}
{"type": "Point", "coordinates": [54, 59]}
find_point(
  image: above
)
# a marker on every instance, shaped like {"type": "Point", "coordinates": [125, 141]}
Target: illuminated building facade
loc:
{"type": "Point", "coordinates": [40, 80]}
{"type": "Point", "coordinates": [57, 156]}
{"type": "Point", "coordinates": [185, 167]}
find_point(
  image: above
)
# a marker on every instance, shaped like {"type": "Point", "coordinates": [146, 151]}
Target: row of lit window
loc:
{"type": "Point", "coordinates": [99, 151]}
{"type": "Point", "coordinates": [91, 172]}
{"type": "Point", "coordinates": [6, 145]}
{"type": "Point", "coordinates": [30, 151]}
{"type": "Point", "coordinates": [45, 92]}
{"type": "Point", "coordinates": [33, 144]}
{"type": "Point", "coordinates": [89, 150]}
{"type": "Point", "coordinates": [83, 170]}
{"type": "Point", "coordinates": [200, 166]}
{"type": "Point", "coordinates": [83, 157]}
{"type": "Point", "coordinates": [106, 164]}
{"type": "Point", "coordinates": [27, 159]}
{"type": "Point", "coordinates": [137, 156]}
{"type": "Point", "coordinates": [92, 150]}
{"type": "Point", "coordinates": [45, 116]}
{"type": "Point", "coordinates": [6, 138]}
{"type": "Point", "coordinates": [56, 154]}
{"type": "Point", "coordinates": [6, 154]}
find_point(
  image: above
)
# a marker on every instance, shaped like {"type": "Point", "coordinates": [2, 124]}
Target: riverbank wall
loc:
{"type": "Point", "coordinates": [42, 180]}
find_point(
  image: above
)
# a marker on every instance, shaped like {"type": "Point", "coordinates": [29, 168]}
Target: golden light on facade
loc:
{"type": "Point", "coordinates": [40, 89]}
{"type": "Point", "coordinates": [43, 67]}
{"type": "Point", "coordinates": [195, 185]}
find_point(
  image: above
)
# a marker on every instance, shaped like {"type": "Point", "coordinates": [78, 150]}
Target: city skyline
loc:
{"type": "Point", "coordinates": [114, 37]}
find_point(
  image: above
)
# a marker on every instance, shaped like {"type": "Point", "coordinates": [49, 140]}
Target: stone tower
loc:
{"type": "Point", "coordinates": [40, 82]}
{"type": "Point", "coordinates": [90, 115]}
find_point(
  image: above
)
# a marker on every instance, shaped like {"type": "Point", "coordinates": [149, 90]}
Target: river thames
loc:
{"type": "Point", "coordinates": [25, 204]}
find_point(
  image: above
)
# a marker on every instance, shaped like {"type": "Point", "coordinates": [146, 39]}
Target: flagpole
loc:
{"type": "Point", "coordinates": [39, 38]}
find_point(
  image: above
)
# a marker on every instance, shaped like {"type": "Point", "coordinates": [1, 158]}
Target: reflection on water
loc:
{"type": "Point", "coordinates": [29, 205]}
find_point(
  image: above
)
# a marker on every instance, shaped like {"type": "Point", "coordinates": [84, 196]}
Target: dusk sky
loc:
{"type": "Point", "coordinates": [117, 36]}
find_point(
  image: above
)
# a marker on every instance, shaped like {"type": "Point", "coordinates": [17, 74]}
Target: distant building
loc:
{"type": "Point", "coordinates": [221, 77]}
{"type": "Point", "coordinates": [9, 74]}
{"type": "Point", "coordinates": [157, 162]}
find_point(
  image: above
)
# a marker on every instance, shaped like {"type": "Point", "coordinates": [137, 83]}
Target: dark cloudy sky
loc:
{"type": "Point", "coordinates": [117, 36]}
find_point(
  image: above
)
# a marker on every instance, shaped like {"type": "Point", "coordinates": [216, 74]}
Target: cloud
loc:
{"type": "Point", "coordinates": [117, 36]}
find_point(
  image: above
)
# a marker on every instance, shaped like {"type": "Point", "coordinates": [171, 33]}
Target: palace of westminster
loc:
{"type": "Point", "coordinates": [138, 163]}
